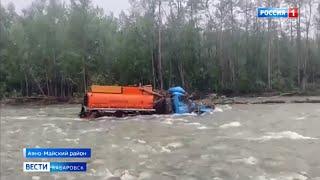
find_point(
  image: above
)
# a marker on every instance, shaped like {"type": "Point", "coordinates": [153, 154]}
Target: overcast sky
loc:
{"type": "Point", "coordinates": [114, 6]}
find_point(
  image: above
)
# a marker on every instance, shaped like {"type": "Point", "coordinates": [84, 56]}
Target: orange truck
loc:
{"type": "Point", "coordinates": [119, 101]}
{"type": "Point", "coordinates": [132, 100]}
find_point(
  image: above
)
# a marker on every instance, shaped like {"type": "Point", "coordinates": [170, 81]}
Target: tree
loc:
{"type": "Point", "coordinates": [57, 49]}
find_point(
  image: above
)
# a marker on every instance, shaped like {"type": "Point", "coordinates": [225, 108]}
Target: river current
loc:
{"type": "Point", "coordinates": [258, 142]}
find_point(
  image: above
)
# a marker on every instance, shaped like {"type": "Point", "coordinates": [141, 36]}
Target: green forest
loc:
{"type": "Point", "coordinates": [59, 48]}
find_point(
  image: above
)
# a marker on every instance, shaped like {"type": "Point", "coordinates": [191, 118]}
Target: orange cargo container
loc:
{"type": "Point", "coordinates": [119, 99]}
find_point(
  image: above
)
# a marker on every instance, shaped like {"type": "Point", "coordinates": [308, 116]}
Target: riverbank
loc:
{"type": "Point", "coordinates": [211, 100]}
{"type": "Point", "coordinates": [38, 100]}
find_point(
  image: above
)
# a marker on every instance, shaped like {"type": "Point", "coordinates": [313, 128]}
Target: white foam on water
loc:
{"type": "Point", "coordinates": [127, 176]}
{"type": "Point", "coordinates": [217, 178]}
{"type": "Point", "coordinates": [15, 131]}
{"type": "Point", "coordinates": [79, 119]}
{"type": "Point", "coordinates": [161, 115]}
{"type": "Point", "coordinates": [202, 127]}
{"type": "Point", "coordinates": [206, 156]}
{"type": "Point", "coordinates": [300, 118]}
{"type": "Point", "coordinates": [59, 131]}
{"type": "Point", "coordinates": [114, 146]}
{"type": "Point", "coordinates": [91, 130]}
{"type": "Point", "coordinates": [232, 124]}
{"type": "Point", "coordinates": [194, 123]}
{"type": "Point", "coordinates": [168, 121]}
{"type": "Point", "coordinates": [35, 177]}
{"type": "Point", "coordinates": [9, 145]}
{"type": "Point", "coordinates": [20, 117]}
{"type": "Point", "coordinates": [217, 109]}
{"type": "Point", "coordinates": [250, 160]}
{"type": "Point", "coordinates": [98, 161]}
{"type": "Point", "coordinates": [226, 107]}
{"type": "Point", "coordinates": [219, 147]}
{"type": "Point", "coordinates": [261, 178]}
{"type": "Point", "coordinates": [180, 119]}
{"type": "Point", "coordinates": [45, 129]}
{"type": "Point", "coordinates": [143, 156]}
{"type": "Point", "coordinates": [145, 175]}
{"type": "Point", "coordinates": [107, 174]}
{"type": "Point", "coordinates": [49, 124]}
{"type": "Point", "coordinates": [185, 114]}
{"type": "Point", "coordinates": [141, 141]}
{"type": "Point", "coordinates": [165, 149]}
{"type": "Point", "coordinates": [72, 140]}
{"type": "Point", "coordinates": [283, 135]}
{"type": "Point", "coordinates": [174, 145]}
{"type": "Point", "coordinates": [207, 113]}
{"type": "Point", "coordinates": [42, 115]}
{"type": "Point", "coordinates": [286, 176]}
{"type": "Point", "coordinates": [93, 171]}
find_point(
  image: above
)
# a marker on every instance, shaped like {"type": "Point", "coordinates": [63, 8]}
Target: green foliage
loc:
{"type": "Point", "coordinates": [58, 50]}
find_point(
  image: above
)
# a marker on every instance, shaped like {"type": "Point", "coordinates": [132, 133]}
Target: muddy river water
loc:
{"type": "Point", "coordinates": [258, 142]}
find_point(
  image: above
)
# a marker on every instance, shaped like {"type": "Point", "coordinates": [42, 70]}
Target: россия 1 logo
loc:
{"type": "Point", "coordinates": [268, 12]}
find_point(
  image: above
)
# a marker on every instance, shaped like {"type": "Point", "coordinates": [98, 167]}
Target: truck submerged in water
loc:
{"type": "Point", "coordinates": [122, 101]}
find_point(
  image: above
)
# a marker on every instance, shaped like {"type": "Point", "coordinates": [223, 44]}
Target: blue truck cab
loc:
{"type": "Point", "coordinates": [181, 104]}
